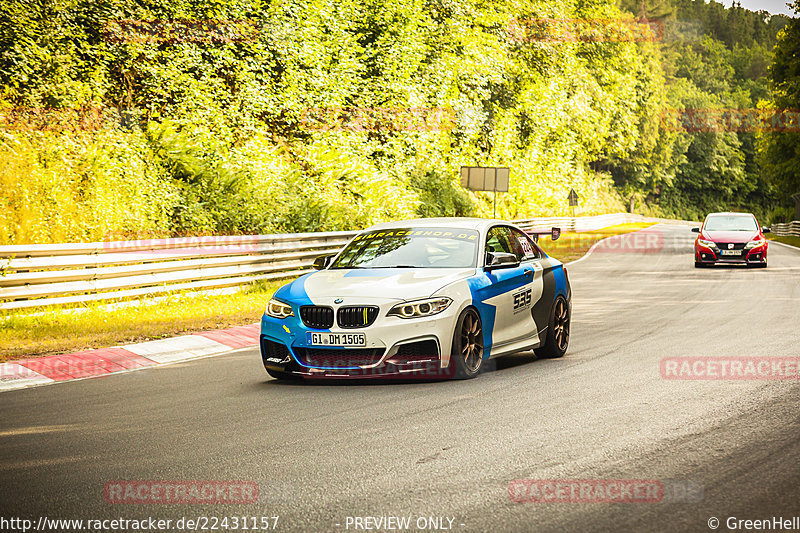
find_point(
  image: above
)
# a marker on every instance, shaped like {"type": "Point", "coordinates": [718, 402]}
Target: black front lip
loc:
{"type": "Point", "coordinates": [428, 370]}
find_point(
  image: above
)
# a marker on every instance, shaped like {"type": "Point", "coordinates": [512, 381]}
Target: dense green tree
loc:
{"type": "Point", "coordinates": [293, 115]}
{"type": "Point", "coordinates": [781, 149]}
{"type": "Point", "coordinates": [343, 107]}
{"type": "Point", "coordinates": [712, 58]}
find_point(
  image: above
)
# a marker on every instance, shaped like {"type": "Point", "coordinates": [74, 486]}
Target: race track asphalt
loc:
{"type": "Point", "coordinates": [323, 452]}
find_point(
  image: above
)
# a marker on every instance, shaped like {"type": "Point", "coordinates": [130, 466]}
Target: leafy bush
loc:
{"type": "Point", "coordinates": [58, 188]}
{"type": "Point", "coordinates": [441, 196]}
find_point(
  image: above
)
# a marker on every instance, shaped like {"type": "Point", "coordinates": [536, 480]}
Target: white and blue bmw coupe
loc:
{"type": "Point", "coordinates": [419, 298]}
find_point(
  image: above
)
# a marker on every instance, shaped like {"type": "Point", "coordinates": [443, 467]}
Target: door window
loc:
{"type": "Point", "coordinates": [499, 240]}
{"type": "Point", "coordinates": [525, 248]}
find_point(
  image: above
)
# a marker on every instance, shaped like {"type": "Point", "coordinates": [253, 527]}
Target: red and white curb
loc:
{"type": "Point", "coordinates": [91, 363]}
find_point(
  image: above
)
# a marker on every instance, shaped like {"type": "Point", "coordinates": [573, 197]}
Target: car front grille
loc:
{"type": "Point", "coordinates": [315, 316]}
{"type": "Point", "coordinates": [338, 358]}
{"type": "Point", "coordinates": [736, 246]}
{"type": "Point", "coordinates": [356, 316]}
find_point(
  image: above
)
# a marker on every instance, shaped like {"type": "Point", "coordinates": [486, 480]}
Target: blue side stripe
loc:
{"type": "Point", "coordinates": [487, 285]}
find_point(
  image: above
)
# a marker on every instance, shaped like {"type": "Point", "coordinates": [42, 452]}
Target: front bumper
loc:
{"type": "Point", "coordinates": [395, 347]}
{"type": "Point", "coordinates": [711, 256]}
{"type": "Point", "coordinates": [420, 361]}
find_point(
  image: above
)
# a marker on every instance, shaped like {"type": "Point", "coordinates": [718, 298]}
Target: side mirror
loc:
{"type": "Point", "coordinates": [500, 260]}
{"type": "Point", "coordinates": [555, 233]}
{"type": "Point", "coordinates": [765, 229]}
{"type": "Point", "coordinates": [322, 261]}
{"type": "Point", "coordinates": [695, 230]}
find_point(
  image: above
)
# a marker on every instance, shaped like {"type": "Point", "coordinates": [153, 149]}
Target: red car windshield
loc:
{"type": "Point", "coordinates": [731, 223]}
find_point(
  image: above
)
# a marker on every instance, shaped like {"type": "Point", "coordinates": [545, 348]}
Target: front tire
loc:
{"type": "Point", "coordinates": [467, 352]}
{"type": "Point", "coordinates": [557, 340]}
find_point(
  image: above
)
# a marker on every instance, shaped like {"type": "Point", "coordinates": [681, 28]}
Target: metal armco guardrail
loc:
{"type": "Point", "coordinates": [37, 275]}
{"type": "Point", "coordinates": [789, 229]}
{"type": "Point", "coordinates": [50, 274]}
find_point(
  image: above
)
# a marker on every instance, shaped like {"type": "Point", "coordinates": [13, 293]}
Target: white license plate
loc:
{"type": "Point", "coordinates": [731, 252]}
{"type": "Point", "coordinates": [336, 339]}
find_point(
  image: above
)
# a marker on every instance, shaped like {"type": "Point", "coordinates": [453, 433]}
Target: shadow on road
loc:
{"type": "Point", "coordinates": [493, 365]}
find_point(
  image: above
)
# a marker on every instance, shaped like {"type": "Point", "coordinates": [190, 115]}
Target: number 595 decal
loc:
{"type": "Point", "coordinates": [522, 300]}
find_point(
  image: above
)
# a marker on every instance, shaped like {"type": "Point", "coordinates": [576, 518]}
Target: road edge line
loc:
{"type": "Point", "coordinates": [784, 244]}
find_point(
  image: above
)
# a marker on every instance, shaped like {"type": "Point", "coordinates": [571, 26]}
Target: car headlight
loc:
{"type": "Point", "coordinates": [420, 308]}
{"type": "Point", "coordinates": [755, 244]}
{"type": "Point", "coordinates": [278, 309]}
{"type": "Point", "coordinates": [709, 244]}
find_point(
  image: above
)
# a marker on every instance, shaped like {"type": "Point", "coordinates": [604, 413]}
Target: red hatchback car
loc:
{"type": "Point", "coordinates": [730, 238]}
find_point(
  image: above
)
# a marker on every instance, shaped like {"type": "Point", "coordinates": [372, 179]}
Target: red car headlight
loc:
{"type": "Point", "coordinates": [755, 244]}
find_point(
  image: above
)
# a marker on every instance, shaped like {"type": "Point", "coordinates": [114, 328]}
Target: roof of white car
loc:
{"type": "Point", "coordinates": [445, 222]}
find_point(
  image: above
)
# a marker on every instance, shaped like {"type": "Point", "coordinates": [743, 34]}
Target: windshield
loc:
{"type": "Point", "coordinates": [731, 223]}
{"type": "Point", "coordinates": [411, 248]}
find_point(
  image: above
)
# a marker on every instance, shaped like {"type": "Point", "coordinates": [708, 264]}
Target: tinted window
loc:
{"type": "Point", "coordinates": [498, 240]}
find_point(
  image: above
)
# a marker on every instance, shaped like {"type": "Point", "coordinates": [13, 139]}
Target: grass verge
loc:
{"type": "Point", "coordinates": [792, 241]}
{"type": "Point", "coordinates": [59, 330]}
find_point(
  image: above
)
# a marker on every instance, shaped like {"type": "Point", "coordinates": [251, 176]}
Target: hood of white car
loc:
{"type": "Point", "coordinates": [369, 285]}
